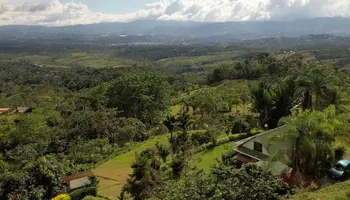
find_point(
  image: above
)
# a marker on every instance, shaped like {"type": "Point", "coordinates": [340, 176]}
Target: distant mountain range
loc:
{"type": "Point", "coordinates": [201, 31]}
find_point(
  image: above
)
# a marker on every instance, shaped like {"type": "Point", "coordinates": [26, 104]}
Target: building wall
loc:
{"type": "Point", "coordinates": [260, 139]}
{"type": "Point", "coordinates": [271, 144]}
{"type": "Point", "coordinates": [81, 182]}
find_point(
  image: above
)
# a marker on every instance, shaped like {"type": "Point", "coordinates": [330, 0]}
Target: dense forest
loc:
{"type": "Point", "coordinates": [85, 105]}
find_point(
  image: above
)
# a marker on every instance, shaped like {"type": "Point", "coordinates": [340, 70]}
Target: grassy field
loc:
{"type": "Point", "coordinates": [339, 191]}
{"type": "Point", "coordinates": [114, 173]}
{"type": "Point", "coordinates": [68, 60]}
{"type": "Point", "coordinates": [206, 159]}
{"type": "Point", "coordinates": [207, 61]}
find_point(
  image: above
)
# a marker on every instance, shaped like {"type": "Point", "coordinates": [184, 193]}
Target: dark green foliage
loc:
{"type": "Point", "coordinates": [184, 121]}
{"type": "Point", "coordinates": [89, 124]}
{"type": "Point", "coordinates": [79, 194]}
{"type": "Point", "coordinates": [339, 152]}
{"type": "Point", "coordinates": [229, 159]}
{"type": "Point", "coordinates": [145, 176]}
{"type": "Point", "coordinates": [162, 151]}
{"type": "Point", "coordinates": [142, 96]}
{"type": "Point", "coordinates": [314, 133]}
{"type": "Point", "coordinates": [181, 143]}
{"type": "Point", "coordinates": [98, 149]}
{"type": "Point", "coordinates": [201, 138]}
{"type": "Point", "coordinates": [48, 173]}
{"type": "Point", "coordinates": [273, 102]}
{"type": "Point", "coordinates": [240, 126]}
{"type": "Point", "coordinates": [69, 128]}
{"type": "Point", "coordinates": [264, 64]}
{"type": "Point", "coordinates": [224, 182]}
{"type": "Point", "coordinates": [170, 123]}
{"type": "Point", "coordinates": [177, 165]}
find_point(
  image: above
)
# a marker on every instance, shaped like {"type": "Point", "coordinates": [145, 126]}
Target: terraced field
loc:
{"type": "Point", "coordinates": [114, 173]}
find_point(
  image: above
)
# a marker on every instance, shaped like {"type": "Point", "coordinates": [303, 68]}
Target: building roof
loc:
{"type": "Point", "coordinates": [22, 109]}
{"type": "Point", "coordinates": [255, 154]}
{"type": "Point", "coordinates": [77, 176]}
{"type": "Point", "coordinates": [4, 109]}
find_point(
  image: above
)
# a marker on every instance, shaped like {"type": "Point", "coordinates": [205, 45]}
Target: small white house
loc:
{"type": "Point", "coordinates": [78, 180]}
{"type": "Point", "coordinates": [261, 147]}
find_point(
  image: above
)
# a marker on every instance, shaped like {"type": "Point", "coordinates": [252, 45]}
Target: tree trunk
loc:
{"type": "Point", "coordinates": [317, 106]}
{"type": "Point", "coordinates": [194, 110]}
{"type": "Point", "coordinates": [172, 142]}
{"type": "Point", "coordinates": [307, 101]}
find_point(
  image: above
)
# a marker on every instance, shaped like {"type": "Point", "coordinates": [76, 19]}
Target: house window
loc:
{"type": "Point", "coordinates": [258, 147]}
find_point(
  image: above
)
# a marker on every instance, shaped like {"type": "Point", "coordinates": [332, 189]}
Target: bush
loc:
{"type": "Point", "coordinates": [158, 130]}
{"type": "Point", "coordinates": [62, 197]}
{"type": "Point", "coordinates": [79, 194]}
{"type": "Point", "coordinates": [97, 149]}
{"type": "Point", "coordinates": [178, 165]}
{"type": "Point", "coordinates": [200, 138]}
{"type": "Point", "coordinates": [240, 126]}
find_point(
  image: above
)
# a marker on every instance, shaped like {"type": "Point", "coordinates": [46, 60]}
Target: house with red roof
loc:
{"type": "Point", "coordinates": [4, 110]}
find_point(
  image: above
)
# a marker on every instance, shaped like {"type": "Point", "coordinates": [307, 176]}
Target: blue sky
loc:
{"type": "Point", "coordinates": [114, 6]}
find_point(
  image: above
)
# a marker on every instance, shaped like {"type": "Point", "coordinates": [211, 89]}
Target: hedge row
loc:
{"type": "Point", "coordinates": [225, 140]}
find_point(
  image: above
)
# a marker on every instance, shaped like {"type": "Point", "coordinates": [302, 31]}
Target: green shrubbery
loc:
{"type": "Point", "coordinates": [79, 194]}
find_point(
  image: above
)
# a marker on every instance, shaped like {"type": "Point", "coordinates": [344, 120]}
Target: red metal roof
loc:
{"type": "Point", "coordinates": [77, 176]}
{"type": "Point", "coordinates": [4, 109]}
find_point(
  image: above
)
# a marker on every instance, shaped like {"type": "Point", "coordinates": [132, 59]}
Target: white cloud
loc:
{"type": "Point", "coordinates": [54, 13]}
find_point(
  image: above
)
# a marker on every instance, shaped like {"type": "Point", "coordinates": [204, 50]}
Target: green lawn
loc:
{"type": "Point", "coordinates": [117, 170]}
{"type": "Point", "coordinates": [206, 159]}
{"type": "Point", "coordinates": [339, 191]}
{"type": "Point", "coordinates": [114, 173]}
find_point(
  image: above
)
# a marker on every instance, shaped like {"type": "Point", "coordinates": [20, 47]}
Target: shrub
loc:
{"type": "Point", "coordinates": [178, 165]}
{"type": "Point", "coordinates": [162, 151]}
{"type": "Point", "coordinates": [223, 141]}
{"type": "Point", "coordinates": [240, 126]}
{"type": "Point", "coordinates": [62, 197]}
{"type": "Point", "coordinates": [81, 193]}
{"type": "Point", "coordinates": [200, 138]}
{"type": "Point", "coordinates": [94, 180]}
{"type": "Point", "coordinates": [158, 130]}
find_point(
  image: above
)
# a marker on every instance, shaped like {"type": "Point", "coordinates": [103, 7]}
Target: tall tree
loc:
{"type": "Point", "coordinates": [184, 121]}
{"type": "Point", "coordinates": [272, 102]}
{"type": "Point", "coordinates": [142, 96]}
{"type": "Point", "coordinates": [145, 176]}
{"type": "Point", "coordinates": [316, 81]}
{"type": "Point", "coordinates": [312, 135]}
{"type": "Point", "coordinates": [170, 123]}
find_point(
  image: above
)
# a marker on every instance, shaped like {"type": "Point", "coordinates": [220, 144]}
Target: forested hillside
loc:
{"type": "Point", "coordinates": [159, 121]}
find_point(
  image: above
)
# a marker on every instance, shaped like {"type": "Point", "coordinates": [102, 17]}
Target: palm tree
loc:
{"type": "Point", "coordinates": [314, 80]}
{"type": "Point", "coordinates": [184, 121]}
{"type": "Point", "coordinates": [312, 134]}
{"type": "Point", "coordinates": [170, 123]}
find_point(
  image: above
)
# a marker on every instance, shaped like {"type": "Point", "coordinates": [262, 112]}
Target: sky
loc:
{"type": "Point", "coordinates": [72, 12]}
